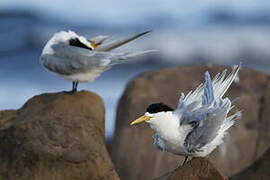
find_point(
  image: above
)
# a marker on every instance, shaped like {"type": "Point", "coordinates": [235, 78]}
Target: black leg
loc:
{"type": "Point", "coordinates": [74, 86]}
{"type": "Point", "coordinates": [186, 158]}
{"type": "Point", "coordinates": [179, 165]}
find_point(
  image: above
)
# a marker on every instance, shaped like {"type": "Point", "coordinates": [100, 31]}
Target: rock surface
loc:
{"type": "Point", "coordinates": [196, 169]}
{"type": "Point", "coordinates": [259, 170]}
{"type": "Point", "coordinates": [7, 116]}
{"type": "Point", "coordinates": [55, 136]}
{"type": "Point", "coordinates": [135, 156]}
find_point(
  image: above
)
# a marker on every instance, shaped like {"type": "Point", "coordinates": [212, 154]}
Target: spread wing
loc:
{"type": "Point", "coordinates": [220, 84]}
{"type": "Point", "coordinates": [209, 118]}
{"type": "Point", "coordinates": [208, 127]}
{"type": "Point", "coordinates": [69, 60]}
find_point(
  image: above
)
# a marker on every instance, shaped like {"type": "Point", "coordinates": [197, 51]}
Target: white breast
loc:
{"type": "Point", "coordinates": [170, 132]}
{"type": "Point", "coordinates": [88, 76]}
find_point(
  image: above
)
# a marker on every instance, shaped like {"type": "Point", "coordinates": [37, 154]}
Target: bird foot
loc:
{"type": "Point", "coordinates": [70, 92]}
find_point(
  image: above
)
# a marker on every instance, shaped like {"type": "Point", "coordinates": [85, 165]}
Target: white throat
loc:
{"type": "Point", "coordinates": [166, 124]}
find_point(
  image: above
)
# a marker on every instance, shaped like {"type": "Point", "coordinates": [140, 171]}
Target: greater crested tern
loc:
{"type": "Point", "coordinates": [78, 59]}
{"type": "Point", "coordinates": [200, 121]}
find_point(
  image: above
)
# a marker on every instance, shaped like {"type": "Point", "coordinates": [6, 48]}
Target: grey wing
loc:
{"type": "Point", "coordinates": [191, 112]}
{"type": "Point", "coordinates": [71, 60]}
{"type": "Point", "coordinates": [220, 85]}
{"type": "Point", "coordinates": [205, 130]}
{"type": "Point", "coordinates": [207, 120]}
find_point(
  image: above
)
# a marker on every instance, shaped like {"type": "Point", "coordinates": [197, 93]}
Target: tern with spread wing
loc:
{"type": "Point", "coordinates": [200, 121]}
{"type": "Point", "coordinates": [78, 59]}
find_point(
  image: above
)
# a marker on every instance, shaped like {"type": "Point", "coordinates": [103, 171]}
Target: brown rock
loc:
{"type": "Point", "coordinates": [196, 169]}
{"type": "Point", "coordinates": [247, 140]}
{"type": "Point", "coordinates": [6, 117]}
{"type": "Point", "coordinates": [56, 136]}
{"type": "Point", "coordinates": [258, 170]}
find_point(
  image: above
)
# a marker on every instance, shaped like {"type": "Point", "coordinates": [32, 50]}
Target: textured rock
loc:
{"type": "Point", "coordinates": [258, 170]}
{"type": "Point", "coordinates": [196, 169]}
{"type": "Point", "coordinates": [247, 140]}
{"type": "Point", "coordinates": [6, 117]}
{"type": "Point", "coordinates": [55, 136]}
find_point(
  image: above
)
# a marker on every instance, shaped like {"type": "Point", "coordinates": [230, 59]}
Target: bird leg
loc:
{"type": "Point", "coordinates": [186, 158]}
{"type": "Point", "coordinates": [179, 165]}
{"type": "Point", "coordinates": [74, 86]}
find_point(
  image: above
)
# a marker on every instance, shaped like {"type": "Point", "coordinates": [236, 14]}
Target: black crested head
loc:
{"type": "Point", "coordinates": [76, 42]}
{"type": "Point", "coordinates": [158, 107]}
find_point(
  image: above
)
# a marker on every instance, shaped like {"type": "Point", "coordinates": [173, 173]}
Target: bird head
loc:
{"type": "Point", "coordinates": [155, 114]}
{"type": "Point", "coordinates": [70, 38]}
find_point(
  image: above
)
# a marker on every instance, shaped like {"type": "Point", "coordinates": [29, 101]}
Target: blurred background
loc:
{"type": "Point", "coordinates": [185, 32]}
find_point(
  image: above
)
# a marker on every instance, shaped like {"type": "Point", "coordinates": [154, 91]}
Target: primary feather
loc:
{"type": "Point", "coordinates": [116, 44]}
{"type": "Point", "coordinates": [220, 84]}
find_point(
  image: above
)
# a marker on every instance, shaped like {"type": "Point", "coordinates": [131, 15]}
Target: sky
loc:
{"type": "Point", "coordinates": [125, 11]}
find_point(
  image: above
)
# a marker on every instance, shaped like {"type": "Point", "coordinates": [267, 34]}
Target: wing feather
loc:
{"type": "Point", "coordinates": [220, 83]}
{"type": "Point", "coordinates": [206, 129]}
{"type": "Point", "coordinates": [209, 119]}
{"type": "Point", "coordinates": [116, 44]}
{"type": "Point", "coordinates": [71, 60]}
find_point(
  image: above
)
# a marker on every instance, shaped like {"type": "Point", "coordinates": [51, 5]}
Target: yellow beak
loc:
{"type": "Point", "coordinates": [94, 45]}
{"type": "Point", "coordinates": [140, 120]}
